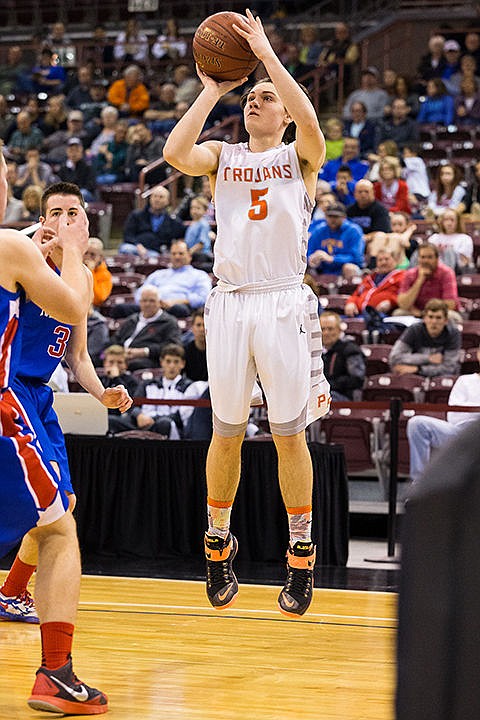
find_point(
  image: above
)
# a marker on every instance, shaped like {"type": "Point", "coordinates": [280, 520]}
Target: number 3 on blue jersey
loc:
{"type": "Point", "coordinates": [63, 335]}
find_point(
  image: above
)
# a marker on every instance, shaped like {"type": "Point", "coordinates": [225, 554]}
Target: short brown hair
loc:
{"type": "Point", "coordinates": [172, 349]}
{"type": "Point", "coordinates": [430, 246]}
{"type": "Point", "coordinates": [435, 305]}
{"type": "Point", "coordinates": [290, 130]}
{"type": "Point", "coordinates": [60, 188]}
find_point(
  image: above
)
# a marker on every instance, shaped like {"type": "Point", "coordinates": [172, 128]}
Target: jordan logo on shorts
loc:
{"type": "Point", "coordinates": [302, 330]}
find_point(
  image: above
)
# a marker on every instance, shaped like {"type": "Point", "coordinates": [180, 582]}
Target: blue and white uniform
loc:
{"type": "Point", "coordinates": [44, 344]}
{"type": "Point", "coordinates": [29, 493]}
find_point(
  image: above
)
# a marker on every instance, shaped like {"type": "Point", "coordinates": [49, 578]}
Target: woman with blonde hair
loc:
{"type": "Point", "coordinates": [390, 189]}
{"type": "Point", "coordinates": [386, 148]}
{"type": "Point", "coordinates": [31, 198]}
{"type": "Point", "coordinates": [333, 138]}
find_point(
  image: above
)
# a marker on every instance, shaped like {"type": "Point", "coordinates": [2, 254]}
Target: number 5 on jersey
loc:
{"type": "Point", "coordinates": [259, 208]}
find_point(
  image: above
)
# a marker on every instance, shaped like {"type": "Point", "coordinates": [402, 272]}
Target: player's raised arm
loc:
{"type": "Point", "coordinates": [181, 149]}
{"type": "Point", "coordinates": [309, 139]}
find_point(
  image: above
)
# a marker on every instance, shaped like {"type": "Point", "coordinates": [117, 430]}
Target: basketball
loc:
{"type": "Point", "coordinates": [221, 52]}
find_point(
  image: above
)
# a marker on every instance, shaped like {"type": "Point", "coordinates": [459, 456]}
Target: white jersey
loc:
{"type": "Point", "coordinates": [263, 211]}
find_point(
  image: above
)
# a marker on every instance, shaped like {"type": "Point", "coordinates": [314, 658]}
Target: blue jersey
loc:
{"type": "Point", "coordinates": [44, 343]}
{"type": "Point", "coordinates": [10, 335]}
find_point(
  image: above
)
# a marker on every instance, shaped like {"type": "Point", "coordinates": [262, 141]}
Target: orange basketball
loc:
{"type": "Point", "coordinates": [221, 52]}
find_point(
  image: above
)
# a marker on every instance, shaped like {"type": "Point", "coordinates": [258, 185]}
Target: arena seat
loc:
{"type": "Point", "coordinates": [121, 196]}
{"type": "Point", "coordinates": [470, 333]}
{"type": "Point", "coordinates": [409, 388]}
{"type": "Point", "coordinates": [469, 362]}
{"type": "Point", "coordinates": [358, 431]}
{"type": "Point", "coordinates": [106, 307]}
{"type": "Point", "coordinates": [147, 373]}
{"type": "Point", "coordinates": [126, 282]}
{"type": "Point", "coordinates": [335, 303]}
{"type": "Point", "coordinates": [376, 358]}
{"type": "Point", "coordinates": [469, 285]}
{"type": "Point", "coordinates": [148, 266]}
{"type": "Point", "coordinates": [100, 220]}
{"type": "Point", "coordinates": [403, 445]}
{"type": "Point", "coordinates": [438, 388]}
{"type": "Point", "coordinates": [354, 327]}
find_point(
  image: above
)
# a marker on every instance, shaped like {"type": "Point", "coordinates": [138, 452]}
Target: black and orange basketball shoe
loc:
{"type": "Point", "coordinates": [297, 592]}
{"type": "Point", "coordinates": [222, 585]}
{"type": "Point", "coordinates": [60, 691]}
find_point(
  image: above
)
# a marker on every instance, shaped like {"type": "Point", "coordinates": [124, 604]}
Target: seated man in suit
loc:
{"type": "Point", "coordinates": [144, 333]}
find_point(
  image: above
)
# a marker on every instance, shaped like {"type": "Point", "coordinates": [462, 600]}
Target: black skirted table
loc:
{"type": "Point", "coordinates": [146, 498]}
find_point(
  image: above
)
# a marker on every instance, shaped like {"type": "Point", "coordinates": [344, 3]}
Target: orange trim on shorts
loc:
{"type": "Point", "coordinates": [299, 510]}
{"type": "Point", "coordinates": [219, 503]}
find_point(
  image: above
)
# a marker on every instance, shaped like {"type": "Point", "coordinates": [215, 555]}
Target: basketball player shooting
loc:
{"type": "Point", "coordinates": [260, 318]}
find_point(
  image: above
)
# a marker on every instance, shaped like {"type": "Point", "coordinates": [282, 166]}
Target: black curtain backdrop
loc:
{"type": "Point", "coordinates": [147, 498]}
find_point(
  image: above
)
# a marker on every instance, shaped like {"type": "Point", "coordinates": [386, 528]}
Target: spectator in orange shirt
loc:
{"type": "Point", "coordinates": [129, 94]}
{"type": "Point", "coordinates": [102, 277]}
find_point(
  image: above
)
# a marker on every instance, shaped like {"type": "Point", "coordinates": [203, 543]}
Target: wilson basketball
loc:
{"type": "Point", "coordinates": [221, 52]}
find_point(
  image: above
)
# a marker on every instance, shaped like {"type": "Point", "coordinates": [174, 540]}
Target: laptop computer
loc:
{"type": "Point", "coordinates": [80, 414]}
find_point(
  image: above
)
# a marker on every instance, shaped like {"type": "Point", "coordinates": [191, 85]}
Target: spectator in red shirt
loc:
{"type": "Point", "coordinates": [379, 289]}
{"type": "Point", "coordinates": [390, 190]}
{"type": "Point", "coordinates": [431, 279]}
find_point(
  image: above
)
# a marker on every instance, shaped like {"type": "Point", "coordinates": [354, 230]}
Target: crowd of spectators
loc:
{"type": "Point", "coordinates": [103, 120]}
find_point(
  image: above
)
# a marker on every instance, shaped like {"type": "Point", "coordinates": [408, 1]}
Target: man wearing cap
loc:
{"type": "Point", "coordinates": [451, 51]}
{"type": "Point", "coordinates": [76, 170]}
{"type": "Point", "coordinates": [55, 145]}
{"type": "Point", "coordinates": [372, 96]}
{"type": "Point", "coordinates": [336, 245]}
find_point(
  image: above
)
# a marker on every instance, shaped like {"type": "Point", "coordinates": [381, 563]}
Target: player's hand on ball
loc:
{"type": "Point", "coordinates": [222, 87]}
{"type": "Point", "coordinates": [252, 30]}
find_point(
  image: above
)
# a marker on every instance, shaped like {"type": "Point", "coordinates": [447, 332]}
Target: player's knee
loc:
{"type": "Point", "coordinates": [227, 431]}
{"type": "Point", "coordinates": [416, 426]}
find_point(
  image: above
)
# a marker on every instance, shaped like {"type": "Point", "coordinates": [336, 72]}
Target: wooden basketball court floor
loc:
{"type": "Point", "coordinates": [160, 652]}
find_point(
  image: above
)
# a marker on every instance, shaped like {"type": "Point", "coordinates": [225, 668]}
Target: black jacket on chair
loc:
{"type": "Point", "coordinates": [338, 363]}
